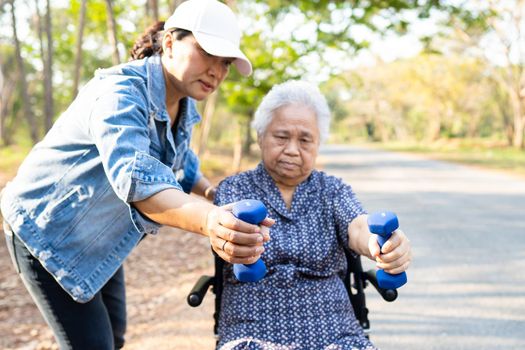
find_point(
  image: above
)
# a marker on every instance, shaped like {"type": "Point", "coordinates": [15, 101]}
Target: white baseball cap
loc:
{"type": "Point", "coordinates": [214, 26]}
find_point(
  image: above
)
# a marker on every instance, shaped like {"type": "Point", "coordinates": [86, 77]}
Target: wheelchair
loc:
{"type": "Point", "coordinates": [356, 280]}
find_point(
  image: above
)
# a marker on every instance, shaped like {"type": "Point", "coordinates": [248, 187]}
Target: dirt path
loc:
{"type": "Point", "coordinates": [159, 274]}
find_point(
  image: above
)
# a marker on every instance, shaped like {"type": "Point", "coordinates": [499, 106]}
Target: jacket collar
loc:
{"type": "Point", "coordinates": [156, 86]}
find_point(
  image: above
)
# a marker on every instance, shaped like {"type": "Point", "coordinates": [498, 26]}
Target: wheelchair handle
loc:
{"type": "Point", "coordinates": [383, 224]}
{"type": "Point", "coordinates": [387, 294]}
{"type": "Point", "coordinates": [254, 212]}
{"type": "Point", "coordinates": [199, 290]}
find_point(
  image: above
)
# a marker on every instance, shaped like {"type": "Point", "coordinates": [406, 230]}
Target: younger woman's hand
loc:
{"type": "Point", "coordinates": [234, 240]}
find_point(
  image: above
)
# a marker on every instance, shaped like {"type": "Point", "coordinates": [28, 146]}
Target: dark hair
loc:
{"type": "Point", "coordinates": [150, 42]}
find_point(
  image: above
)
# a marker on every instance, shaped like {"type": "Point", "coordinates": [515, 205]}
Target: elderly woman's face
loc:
{"type": "Point", "coordinates": [290, 143]}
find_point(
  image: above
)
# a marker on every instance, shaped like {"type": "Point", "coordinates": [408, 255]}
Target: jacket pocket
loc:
{"type": "Point", "coordinates": [65, 207]}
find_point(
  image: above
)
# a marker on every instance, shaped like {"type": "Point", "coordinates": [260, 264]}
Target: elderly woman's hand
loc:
{"type": "Point", "coordinates": [395, 255]}
{"type": "Point", "coordinates": [234, 240]}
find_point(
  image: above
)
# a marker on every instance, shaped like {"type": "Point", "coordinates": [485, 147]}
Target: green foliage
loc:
{"type": "Point", "coordinates": [312, 28]}
{"type": "Point", "coordinates": [424, 98]}
{"type": "Point", "coordinates": [274, 62]}
{"type": "Point", "coordinates": [427, 97]}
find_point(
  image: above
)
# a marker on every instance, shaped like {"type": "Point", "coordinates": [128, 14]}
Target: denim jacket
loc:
{"type": "Point", "coordinates": [70, 202]}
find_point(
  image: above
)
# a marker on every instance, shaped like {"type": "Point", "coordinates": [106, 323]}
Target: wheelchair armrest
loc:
{"type": "Point", "coordinates": [387, 294]}
{"type": "Point", "coordinates": [199, 290]}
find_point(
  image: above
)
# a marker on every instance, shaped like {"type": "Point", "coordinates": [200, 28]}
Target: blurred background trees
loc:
{"type": "Point", "coordinates": [462, 79]}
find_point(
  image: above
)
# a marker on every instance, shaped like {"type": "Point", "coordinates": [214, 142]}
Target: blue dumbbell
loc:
{"type": "Point", "coordinates": [383, 224]}
{"type": "Point", "coordinates": [253, 212]}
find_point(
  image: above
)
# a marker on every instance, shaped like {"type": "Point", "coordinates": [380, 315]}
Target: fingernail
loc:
{"type": "Point", "coordinates": [259, 250]}
{"type": "Point", "coordinates": [259, 239]}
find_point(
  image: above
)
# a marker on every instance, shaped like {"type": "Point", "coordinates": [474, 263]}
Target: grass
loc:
{"type": "Point", "coordinates": [11, 157]}
{"type": "Point", "coordinates": [483, 153]}
{"type": "Point", "coordinates": [217, 162]}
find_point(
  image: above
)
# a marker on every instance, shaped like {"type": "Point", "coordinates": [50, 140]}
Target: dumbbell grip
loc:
{"type": "Point", "coordinates": [383, 224]}
{"type": "Point", "coordinates": [381, 240]}
{"type": "Point", "coordinates": [252, 212]}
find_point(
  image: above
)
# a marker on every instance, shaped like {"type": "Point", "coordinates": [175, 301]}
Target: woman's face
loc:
{"type": "Point", "coordinates": [191, 71]}
{"type": "Point", "coordinates": [290, 144]}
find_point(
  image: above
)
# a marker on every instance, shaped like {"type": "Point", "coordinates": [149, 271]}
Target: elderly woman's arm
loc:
{"type": "Point", "coordinates": [204, 188]}
{"type": "Point", "coordinates": [395, 255]}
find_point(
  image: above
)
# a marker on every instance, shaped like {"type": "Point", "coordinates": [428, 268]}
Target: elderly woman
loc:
{"type": "Point", "coordinates": [302, 302]}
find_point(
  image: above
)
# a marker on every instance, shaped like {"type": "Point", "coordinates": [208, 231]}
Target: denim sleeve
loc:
{"type": "Point", "coordinates": [119, 127]}
{"type": "Point", "coordinates": [190, 173]}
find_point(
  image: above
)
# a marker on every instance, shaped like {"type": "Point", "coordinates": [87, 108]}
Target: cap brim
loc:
{"type": "Point", "coordinates": [219, 47]}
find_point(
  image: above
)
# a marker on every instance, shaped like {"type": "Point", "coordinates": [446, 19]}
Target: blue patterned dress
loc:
{"type": "Point", "coordinates": [302, 303]}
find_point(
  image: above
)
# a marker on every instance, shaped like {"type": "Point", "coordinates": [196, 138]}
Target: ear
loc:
{"type": "Point", "coordinates": [167, 44]}
{"type": "Point", "coordinates": [259, 140]}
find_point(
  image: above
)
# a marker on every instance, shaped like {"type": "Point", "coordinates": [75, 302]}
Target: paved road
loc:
{"type": "Point", "coordinates": [466, 285]}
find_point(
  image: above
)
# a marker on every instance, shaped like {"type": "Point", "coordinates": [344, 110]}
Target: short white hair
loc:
{"type": "Point", "coordinates": [289, 93]}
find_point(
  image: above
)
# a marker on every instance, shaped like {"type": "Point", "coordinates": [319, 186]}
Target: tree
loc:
{"type": "Point", "coordinates": [47, 61]}
{"type": "Point", "coordinates": [274, 62]}
{"type": "Point", "coordinates": [152, 9]}
{"type": "Point", "coordinates": [78, 51]}
{"type": "Point", "coordinates": [276, 56]}
{"type": "Point", "coordinates": [500, 24]}
{"type": "Point", "coordinates": [26, 102]}
{"type": "Point", "coordinates": [428, 97]}
{"type": "Point", "coordinates": [7, 88]}
{"type": "Point", "coordinates": [112, 31]}
{"type": "Point", "coordinates": [323, 26]}
{"type": "Point", "coordinates": [313, 29]}
{"type": "Point", "coordinates": [207, 115]}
